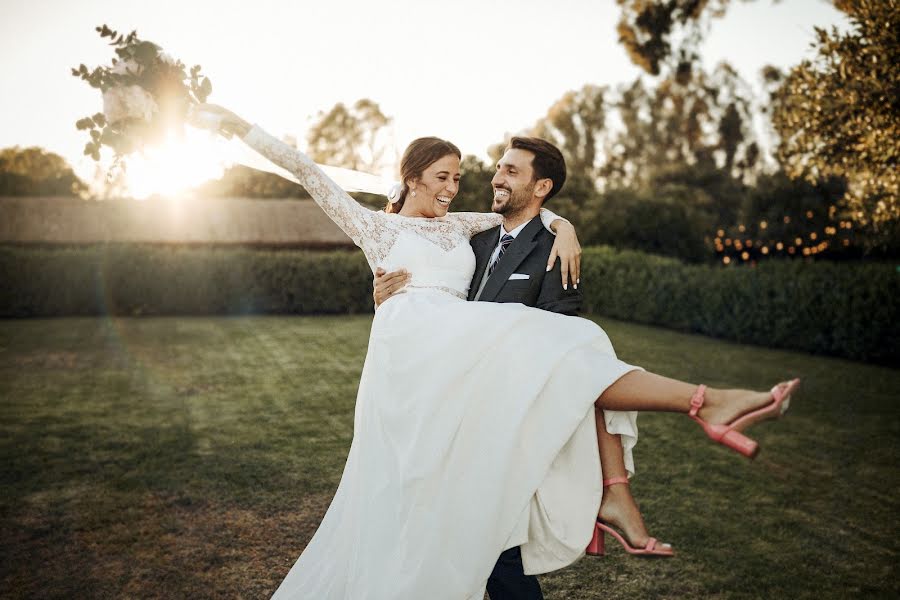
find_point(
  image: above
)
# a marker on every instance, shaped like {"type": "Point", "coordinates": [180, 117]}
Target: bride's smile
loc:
{"type": "Point", "coordinates": [432, 193]}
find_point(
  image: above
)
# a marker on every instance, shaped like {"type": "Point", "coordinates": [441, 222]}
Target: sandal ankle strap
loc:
{"type": "Point", "coordinates": [697, 400]}
{"type": "Point", "coordinates": [615, 480]}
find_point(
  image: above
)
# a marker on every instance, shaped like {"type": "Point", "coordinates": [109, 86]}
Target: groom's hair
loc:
{"type": "Point", "coordinates": [548, 161]}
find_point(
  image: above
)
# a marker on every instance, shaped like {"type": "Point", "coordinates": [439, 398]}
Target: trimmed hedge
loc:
{"type": "Point", "coordinates": [132, 279]}
{"type": "Point", "coordinates": [849, 309]}
{"type": "Point", "coordinates": [843, 309]}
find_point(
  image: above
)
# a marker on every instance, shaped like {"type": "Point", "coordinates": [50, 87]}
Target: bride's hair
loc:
{"type": "Point", "coordinates": [418, 156]}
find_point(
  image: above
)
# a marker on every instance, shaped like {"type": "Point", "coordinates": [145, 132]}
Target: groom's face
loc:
{"type": "Point", "coordinates": [513, 182]}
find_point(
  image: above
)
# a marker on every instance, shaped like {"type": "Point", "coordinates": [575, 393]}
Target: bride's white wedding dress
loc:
{"type": "Point", "coordinates": [474, 426]}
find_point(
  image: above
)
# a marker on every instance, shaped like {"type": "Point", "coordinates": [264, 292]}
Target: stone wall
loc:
{"type": "Point", "coordinates": [214, 221]}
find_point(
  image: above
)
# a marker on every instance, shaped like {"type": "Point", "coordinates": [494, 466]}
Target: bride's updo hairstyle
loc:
{"type": "Point", "coordinates": [418, 156]}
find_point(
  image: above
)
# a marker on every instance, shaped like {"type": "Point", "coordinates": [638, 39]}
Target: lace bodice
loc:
{"type": "Point", "coordinates": [436, 251]}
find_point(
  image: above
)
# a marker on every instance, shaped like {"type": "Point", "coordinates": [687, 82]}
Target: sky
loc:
{"type": "Point", "coordinates": [467, 70]}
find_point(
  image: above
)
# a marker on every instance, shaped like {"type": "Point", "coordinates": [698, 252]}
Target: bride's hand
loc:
{"type": "Point", "coordinates": [229, 122]}
{"type": "Point", "coordinates": [568, 250]}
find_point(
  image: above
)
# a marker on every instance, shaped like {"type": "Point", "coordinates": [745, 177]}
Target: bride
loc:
{"type": "Point", "coordinates": [474, 424]}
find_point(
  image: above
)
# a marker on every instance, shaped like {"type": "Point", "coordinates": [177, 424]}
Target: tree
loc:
{"type": "Point", "coordinates": [575, 124]}
{"type": "Point", "coordinates": [244, 182]}
{"type": "Point", "coordinates": [36, 172]}
{"type": "Point", "coordinates": [665, 33]}
{"type": "Point", "coordinates": [474, 186]}
{"type": "Point", "coordinates": [705, 120]}
{"type": "Point", "coordinates": [839, 113]}
{"type": "Point", "coordinates": [350, 137]}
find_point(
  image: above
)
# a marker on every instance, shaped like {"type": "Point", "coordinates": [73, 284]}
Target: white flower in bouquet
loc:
{"type": "Point", "coordinates": [126, 67]}
{"type": "Point", "coordinates": [167, 59]}
{"type": "Point", "coordinates": [128, 102]}
{"type": "Point", "coordinates": [146, 94]}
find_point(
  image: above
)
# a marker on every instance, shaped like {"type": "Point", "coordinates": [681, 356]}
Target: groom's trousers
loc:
{"type": "Point", "coordinates": [508, 580]}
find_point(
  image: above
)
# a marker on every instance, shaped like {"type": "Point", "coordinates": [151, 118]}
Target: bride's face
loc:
{"type": "Point", "coordinates": [435, 189]}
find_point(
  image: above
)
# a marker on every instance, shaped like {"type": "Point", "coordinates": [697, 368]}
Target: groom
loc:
{"type": "Point", "coordinates": [511, 265]}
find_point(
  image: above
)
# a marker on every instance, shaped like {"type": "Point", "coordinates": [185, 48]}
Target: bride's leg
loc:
{"type": "Point", "coordinates": [618, 507]}
{"type": "Point", "coordinates": [639, 390]}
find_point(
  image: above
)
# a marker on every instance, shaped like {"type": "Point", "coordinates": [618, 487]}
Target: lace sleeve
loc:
{"type": "Point", "coordinates": [547, 217]}
{"type": "Point", "coordinates": [356, 221]}
{"type": "Point", "coordinates": [474, 222]}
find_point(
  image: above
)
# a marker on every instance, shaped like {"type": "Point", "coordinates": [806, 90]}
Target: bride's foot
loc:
{"type": "Point", "coordinates": [723, 407]}
{"type": "Point", "coordinates": [723, 414]}
{"type": "Point", "coordinates": [620, 517]}
{"type": "Point", "coordinates": [619, 509]}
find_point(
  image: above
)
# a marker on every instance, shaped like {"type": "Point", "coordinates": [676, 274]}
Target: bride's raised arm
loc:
{"type": "Point", "coordinates": [358, 222]}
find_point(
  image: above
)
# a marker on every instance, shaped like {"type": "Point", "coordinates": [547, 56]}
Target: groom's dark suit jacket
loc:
{"type": "Point", "coordinates": [526, 255]}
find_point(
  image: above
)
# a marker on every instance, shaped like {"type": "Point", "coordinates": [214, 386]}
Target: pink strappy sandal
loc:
{"type": "Point", "coordinates": [597, 546]}
{"type": "Point", "coordinates": [730, 435]}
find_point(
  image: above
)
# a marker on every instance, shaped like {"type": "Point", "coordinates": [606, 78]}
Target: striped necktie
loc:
{"type": "Point", "coordinates": [505, 241]}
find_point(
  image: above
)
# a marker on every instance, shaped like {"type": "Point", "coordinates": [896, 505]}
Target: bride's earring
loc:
{"type": "Point", "coordinates": [414, 192]}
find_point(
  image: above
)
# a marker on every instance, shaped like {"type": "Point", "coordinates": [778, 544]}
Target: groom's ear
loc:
{"type": "Point", "coordinates": [542, 187]}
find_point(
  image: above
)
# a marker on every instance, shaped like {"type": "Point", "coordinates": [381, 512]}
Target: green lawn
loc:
{"type": "Point", "coordinates": [193, 458]}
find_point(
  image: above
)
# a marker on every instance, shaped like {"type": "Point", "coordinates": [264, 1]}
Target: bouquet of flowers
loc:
{"type": "Point", "coordinates": [146, 93]}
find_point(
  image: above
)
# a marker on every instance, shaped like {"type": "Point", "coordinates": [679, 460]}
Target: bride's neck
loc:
{"type": "Point", "coordinates": [408, 211]}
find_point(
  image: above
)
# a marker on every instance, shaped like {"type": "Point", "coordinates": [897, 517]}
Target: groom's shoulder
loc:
{"type": "Point", "coordinates": [486, 235]}
{"type": "Point", "coordinates": [543, 238]}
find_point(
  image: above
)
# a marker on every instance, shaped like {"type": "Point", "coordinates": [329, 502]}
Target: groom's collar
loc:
{"type": "Point", "coordinates": [516, 230]}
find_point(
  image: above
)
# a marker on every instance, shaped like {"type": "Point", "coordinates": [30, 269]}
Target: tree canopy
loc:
{"type": "Point", "coordinates": [350, 137]}
{"type": "Point", "coordinates": [838, 114]}
{"type": "Point", "coordinates": [34, 171]}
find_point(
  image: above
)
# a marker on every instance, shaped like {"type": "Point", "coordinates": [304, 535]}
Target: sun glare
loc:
{"type": "Point", "coordinates": [172, 169]}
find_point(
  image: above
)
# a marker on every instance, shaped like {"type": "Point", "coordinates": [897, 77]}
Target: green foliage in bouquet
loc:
{"type": "Point", "coordinates": [145, 94]}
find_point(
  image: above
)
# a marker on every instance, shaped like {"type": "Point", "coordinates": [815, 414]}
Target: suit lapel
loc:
{"type": "Point", "coordinates": [512, 258]}
{"type": "Point", "coordinates": [483, 247]}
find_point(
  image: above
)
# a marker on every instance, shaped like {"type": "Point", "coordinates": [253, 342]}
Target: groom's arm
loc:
{"type": "Point", "coordinates": [385, 285]}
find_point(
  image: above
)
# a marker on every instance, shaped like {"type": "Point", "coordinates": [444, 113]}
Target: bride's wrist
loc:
{"type": "Point", "coordinates": [558, 223]}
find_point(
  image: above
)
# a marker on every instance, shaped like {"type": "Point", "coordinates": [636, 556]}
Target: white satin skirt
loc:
{"type": "Point", "coordinates": [473, 433]}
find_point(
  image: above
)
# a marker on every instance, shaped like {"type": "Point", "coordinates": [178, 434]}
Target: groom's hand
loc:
{"type": "Point", "coordinates": [386, 284]}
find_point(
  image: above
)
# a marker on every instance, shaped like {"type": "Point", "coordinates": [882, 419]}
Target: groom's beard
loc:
{"type": "Point", "coordinates": [517, 202]}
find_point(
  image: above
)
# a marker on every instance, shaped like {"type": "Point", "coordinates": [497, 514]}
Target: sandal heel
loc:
{"type": "Point", "coordinates": [597, 547]}
{"type": "Point", "coordinates": [741, 443]}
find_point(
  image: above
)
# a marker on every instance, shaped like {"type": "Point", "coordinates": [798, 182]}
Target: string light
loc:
{"type": "Point", "coordinates": [812, 236]}
{"type": "Point", "coordinates": [749, 243]}
{"type": "Point", "coordinates": [798, 241]}
{"type": "Point", "coordinates": [741, 228]}
{"type": "Point", "coordinates": [792, 250]}
{"type": "Point", "coordinates": [809, 214]}
{"type": "Point", "coordinates": [726, 260]}
{"type": "Point", "coordinates": [779, 246]}
{"type": "Point", "coordinates": [720, 233]}
{"type": "Point", "coordinates": [763, 224]}
{"type": "Point", "coordinates": [765, 250]}
{"type": "Point", "coordinates": [787, 220]}
{"type": "Point", "coordinates": [745, 255]}
{"type": "Point", "coordinates": [727, 241]}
